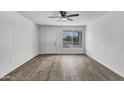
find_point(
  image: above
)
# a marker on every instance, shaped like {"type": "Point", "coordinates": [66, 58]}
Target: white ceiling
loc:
{"type": "Point", "coordinates": [41, 17]}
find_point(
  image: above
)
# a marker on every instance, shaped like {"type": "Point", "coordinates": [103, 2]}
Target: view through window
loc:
{"type": "Point", "coordinates": [72, 39]}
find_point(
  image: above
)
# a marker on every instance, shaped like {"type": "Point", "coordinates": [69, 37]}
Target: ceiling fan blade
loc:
{"type": "Point", "coordinates": [73, 15]}
{"type": "Point", "coordinates": [54, 17]}
{"type": "Point", "coordinates": [69, 19]}
{"type": "Point", "coordinates": [63, 13]}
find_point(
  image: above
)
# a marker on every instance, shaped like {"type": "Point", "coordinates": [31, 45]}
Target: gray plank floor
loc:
{"type": "Point", "coordinates": [62, 68]}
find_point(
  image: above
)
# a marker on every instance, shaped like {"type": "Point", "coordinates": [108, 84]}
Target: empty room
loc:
{"type": "Point", "coordinates": [61, 45]}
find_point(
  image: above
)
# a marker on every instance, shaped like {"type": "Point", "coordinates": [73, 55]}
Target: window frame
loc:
{"type": "Point", "coordinates": [80, 39]}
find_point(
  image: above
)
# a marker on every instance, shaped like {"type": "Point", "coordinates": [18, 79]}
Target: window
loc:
{"type": "Point", "coordinates": [72, 39]}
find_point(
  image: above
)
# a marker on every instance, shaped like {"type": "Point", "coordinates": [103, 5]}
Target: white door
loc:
{"type": "Point", "coordinates": [51, 41]}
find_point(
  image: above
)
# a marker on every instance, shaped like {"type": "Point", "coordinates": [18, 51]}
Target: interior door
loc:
{"type": "Point", "coordinates": [51, 41]}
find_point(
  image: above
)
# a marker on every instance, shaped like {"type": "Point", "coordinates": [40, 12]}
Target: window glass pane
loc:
{"type": "Point", "coordinates": [77, 35]}
{"type": "Point", "coordinates": [67, 39]}
{"type": "Point", "coordinates": [72, 39]}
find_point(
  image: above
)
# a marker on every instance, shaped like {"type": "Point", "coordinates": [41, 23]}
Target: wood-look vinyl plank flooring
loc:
{"type": "Point", "coordinates": [62, 68]}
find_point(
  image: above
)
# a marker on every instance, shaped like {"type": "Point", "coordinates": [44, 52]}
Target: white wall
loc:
{"type": "Point", "coordinates": [59, 30]}
{"type": "Point", "coordinates": [18, 41]}
{"type": "Point", "coordinates": [105, 41]}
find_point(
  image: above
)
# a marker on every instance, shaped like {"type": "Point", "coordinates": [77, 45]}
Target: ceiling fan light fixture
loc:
{"type": "Point", "coordinates": [64, 16]}
{"type": "Point", "coordinates": [63, 19]}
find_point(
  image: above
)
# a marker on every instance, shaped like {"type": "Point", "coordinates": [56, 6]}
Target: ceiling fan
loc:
{"type": "Point", "coordinates": [64, 16]}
